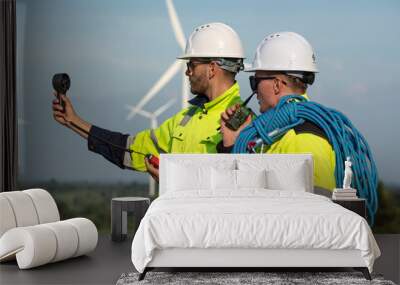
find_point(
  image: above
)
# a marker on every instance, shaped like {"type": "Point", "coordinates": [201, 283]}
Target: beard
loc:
{"type": "Point", "coordinates": [194, 91]}
{"type": "Point", "coordinates": [198, 84]}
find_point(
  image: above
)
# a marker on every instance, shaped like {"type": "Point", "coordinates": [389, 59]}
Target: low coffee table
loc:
{"type": "Point", "coordinates": [120, 207]}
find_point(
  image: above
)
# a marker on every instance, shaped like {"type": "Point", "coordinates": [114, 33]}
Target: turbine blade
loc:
{"type": "Point", "coordinates": [138, 111]}
{"type": "Point", "coordinates": [164, 107]}
{"type": "Point", "coordinates": [176, 25]}
{"type": "Point", "coordinates": [144, 113]}
{"type": "Point", "coordinates": [165, 78]}
{"type": "Point", "coordinates": [185, 90]}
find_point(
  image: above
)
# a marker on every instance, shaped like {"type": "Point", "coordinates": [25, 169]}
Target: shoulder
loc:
{"type": "Point", "coordinates": [304, 138]}
{"type": "Point", "coordinates": [174, 120]}
{"type": "Point", "coordinates": [309, 138]}
{"type": "Point", "coordinates": [181, 118]}
{"type": "Point", "coordinates": [310, 128]}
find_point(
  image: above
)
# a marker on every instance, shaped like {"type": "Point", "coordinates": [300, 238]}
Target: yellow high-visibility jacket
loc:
{"type": "Point", "coordinates": [320, 148]}
{"type": "Point", "coordinates": [191, 134]}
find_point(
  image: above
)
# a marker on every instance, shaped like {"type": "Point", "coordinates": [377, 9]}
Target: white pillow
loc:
{"type": "Point", "coordinates": [226, 179]}
{"type": "Point", "coordinates": [294, 178]}
{"type": "Point", "coordinates": [223, 179]}
{"type": "Point", "coordinates": [251, 178]}
{"type": "Point", "coordinates": [188, 177]}
{"type": "Point", "coordinates": [195, 174]}
{"type": "Point", "coordinates": [282, 174]}
{"type": "Point", "coordinates": [203, 161]}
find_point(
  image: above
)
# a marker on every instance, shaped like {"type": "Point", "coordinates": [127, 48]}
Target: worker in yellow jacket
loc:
{"type": "Point", "coordinates": [214, 55]}
{"type": "Point", "coordinates": [284, 64]}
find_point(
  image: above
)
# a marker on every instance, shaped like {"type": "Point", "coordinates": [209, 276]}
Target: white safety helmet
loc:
{"type": "Point", "coordinates": [287, 52]}
{"type": "Point", "coordinates": [213, 40]}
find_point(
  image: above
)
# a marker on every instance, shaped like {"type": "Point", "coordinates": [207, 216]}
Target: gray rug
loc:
{"type": "Point", "coordinates": [230, 278]}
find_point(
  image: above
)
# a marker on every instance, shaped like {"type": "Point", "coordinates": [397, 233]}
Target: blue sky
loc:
{"type": "Point", "coordinates": [114, 52]}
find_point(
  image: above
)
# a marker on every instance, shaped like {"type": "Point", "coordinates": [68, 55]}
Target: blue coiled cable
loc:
{"type": "Point", "coordinates": [346, 140]}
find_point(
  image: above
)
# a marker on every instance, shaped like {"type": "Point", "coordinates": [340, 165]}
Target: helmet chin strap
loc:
{"type": "Point", "coordinates": [304, 76]}
{"type": "Point", "coordinates": [232, 65]}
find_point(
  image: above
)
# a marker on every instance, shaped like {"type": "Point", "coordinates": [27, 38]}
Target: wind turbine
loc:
{"type": "Point", "coordinates": [154, 124]}
{"type": "Point", "coordinates": [178, 65]}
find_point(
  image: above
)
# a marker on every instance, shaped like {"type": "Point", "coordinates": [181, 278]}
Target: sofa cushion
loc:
{"type": "Point", "coordinates": [45, 205]}
{"type": "Point", "coordinates": [23, 208]}
{"type": "Point", "coordinates": [26, 208]}
{"type": "Point", "coordinates": [40, 244]}
{"type": "Point", "coordinates": [67, 240]}
{"type": "Point", "coordinates": [7, 220]}
{"type": "Point", "coordinates": [34, 244]}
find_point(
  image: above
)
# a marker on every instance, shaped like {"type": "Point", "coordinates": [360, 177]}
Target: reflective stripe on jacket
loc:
{"type": "Point", "coordinates": [198, 134]}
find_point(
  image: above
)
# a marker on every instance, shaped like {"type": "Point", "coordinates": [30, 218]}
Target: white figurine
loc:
{"type": "Point", "coordinates": [348, 174]}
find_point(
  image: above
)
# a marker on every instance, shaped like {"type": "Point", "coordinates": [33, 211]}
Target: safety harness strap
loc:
{"type": "Point", "coordinates": [310, 128]}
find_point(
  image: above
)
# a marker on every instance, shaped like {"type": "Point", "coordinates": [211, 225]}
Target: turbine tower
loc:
{"type": "Point", "coordinates": [154, 124]}
{"type": "Point", "coordinates": [178, 65]}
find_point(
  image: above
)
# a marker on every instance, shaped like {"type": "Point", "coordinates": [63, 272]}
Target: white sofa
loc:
{"type": "Point", "coordinates": [31, 231]}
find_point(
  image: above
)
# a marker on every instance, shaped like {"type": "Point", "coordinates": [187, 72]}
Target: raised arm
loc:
{"type": "Point", "coordinates": [69, 118]}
